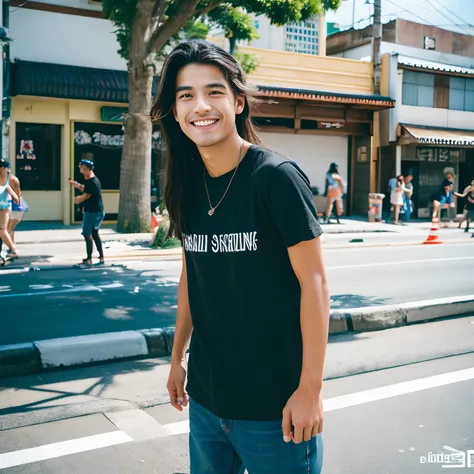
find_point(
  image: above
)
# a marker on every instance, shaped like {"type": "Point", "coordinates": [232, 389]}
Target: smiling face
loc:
{"type": "Point", "coordinates": [205, 105]}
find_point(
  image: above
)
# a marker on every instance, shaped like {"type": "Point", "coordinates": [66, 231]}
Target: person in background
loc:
{"type": "Point", "coordinates": [464, 215]}
{"type": "Point", "coordinates": [335, 189]}
{"type": "Point", "coordinates": [408, 193]}
{"type": "Point", "coordinates": [5, 192]}
{"type": "Point", "coordinates": [443, 198]}
{"type": "Point", "coordinates": [93, 209]}
{"type": "Point", "coordinates": [469, 195]}
{"type": "Point", "coordinates": [396, 199]}
{"type": "Point", "coordinates": [17, 209]}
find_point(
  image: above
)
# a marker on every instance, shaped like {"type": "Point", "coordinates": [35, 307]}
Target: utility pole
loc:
{"type": "Point", "coordinates": [322, 34]}
{"type": "Point", "coordinates": [376, 41]}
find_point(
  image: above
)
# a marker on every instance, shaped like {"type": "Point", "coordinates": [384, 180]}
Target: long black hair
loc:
{"type": "Point", "coordinates": [180, 150]}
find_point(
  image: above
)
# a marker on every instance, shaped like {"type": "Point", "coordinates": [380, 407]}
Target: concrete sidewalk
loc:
{"type": "Point", "coordinates": [51, 232]}
{"type": "Point", "coordinates": [51, 244]}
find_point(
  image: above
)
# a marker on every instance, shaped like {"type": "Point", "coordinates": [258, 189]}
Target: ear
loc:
{"type": "Point", "coordinates": [239, 104]}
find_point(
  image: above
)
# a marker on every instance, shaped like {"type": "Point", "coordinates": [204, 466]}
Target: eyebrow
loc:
{"type": "Point", "coordinates": [212, 85]}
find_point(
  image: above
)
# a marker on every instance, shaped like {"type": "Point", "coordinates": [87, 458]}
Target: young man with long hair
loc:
{"type": "Point", "coordinates": [253, 297]}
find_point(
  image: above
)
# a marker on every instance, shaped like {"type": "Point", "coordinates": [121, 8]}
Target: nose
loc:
{"type": "Point", "coordinates": [201, 105]}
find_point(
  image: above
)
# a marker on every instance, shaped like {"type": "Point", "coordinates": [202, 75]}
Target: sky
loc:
{"type": "Point", "coordinates": [456, 15]}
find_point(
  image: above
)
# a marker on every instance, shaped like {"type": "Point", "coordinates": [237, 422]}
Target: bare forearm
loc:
{"type": "Point", "coordinates": [184, 325]}
{"type": "Point", "coordinates": [12, 193]}
{"type": "Point", "coordinates": [78, 186]}
{"type": "Point", "coordinates": [315, 329]}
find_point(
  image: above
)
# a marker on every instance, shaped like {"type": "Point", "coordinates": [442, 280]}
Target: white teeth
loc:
{"type": "Point", "coordinates": [205, 123]}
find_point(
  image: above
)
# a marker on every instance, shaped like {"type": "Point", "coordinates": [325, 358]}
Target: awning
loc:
{"type": "Point", "coordinates": [433, 66]}
{"type": "Point", "coordinates": [410, 134]}
{"type": "Point", "coordinates": [363, 101]}
{"type": "Point", "coordinates": [69, 82]}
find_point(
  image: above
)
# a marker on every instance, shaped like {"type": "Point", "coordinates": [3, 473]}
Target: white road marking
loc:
{"type": "Point", "coordinates": [406, 262]}
{"type": "Point", "coordinates": [67, 289]}
{"type": "Point", "coordinates": [180, 427]}
{"type": "Point", "coordinates": [142, 426]}
{"type": "Point", "coordinates": [53, 292]}
{"type": "Point", "coordinates": [403, 388]}
{"type": "Point", "coordinates": [367, 396]}
{"type": "Point", "coordinates": [138, 424]}
{"type": "Point", "coordinates": [63, 448]}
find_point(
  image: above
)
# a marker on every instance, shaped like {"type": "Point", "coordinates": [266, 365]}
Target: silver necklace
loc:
{"type": "Point", "coordinates": [213, 208]}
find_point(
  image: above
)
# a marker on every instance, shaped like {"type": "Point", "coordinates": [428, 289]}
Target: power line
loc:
{"type": "Point", "coordinates": [411, 13]}
{"type": "Point", "coordinates": [444, 16]}
{"type": "Point", "coordinates": [454, 14]}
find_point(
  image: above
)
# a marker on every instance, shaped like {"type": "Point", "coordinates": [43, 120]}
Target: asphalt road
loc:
{"type": "Point", "coordinates": [414, 398]}
{"type": "Point", "coordinates": [66, 301]}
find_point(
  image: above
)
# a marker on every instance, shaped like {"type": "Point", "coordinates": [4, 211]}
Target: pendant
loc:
{"type": "Point", "coordinates": [211, 211]}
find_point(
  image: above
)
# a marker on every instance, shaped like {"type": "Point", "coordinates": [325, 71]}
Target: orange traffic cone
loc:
{"type": "Point", "coordinates": [433, 238]}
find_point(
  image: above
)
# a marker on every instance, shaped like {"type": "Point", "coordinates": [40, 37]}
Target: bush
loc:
{"type": "Point", "coordinates": [171, 243]}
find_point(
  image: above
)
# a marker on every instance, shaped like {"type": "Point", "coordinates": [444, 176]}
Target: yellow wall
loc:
{"type": "Point", "coordinates": [307, 71]}
{"type": "Point", "coordinates": [56, 205]}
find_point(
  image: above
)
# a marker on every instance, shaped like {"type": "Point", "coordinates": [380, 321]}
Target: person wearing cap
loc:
{"type": "Point", "coordinates": [335, 188]}
{"type": "Point", "coordinates": [5, 192]}
{"type": "Point", "coordinates": [93, 209]}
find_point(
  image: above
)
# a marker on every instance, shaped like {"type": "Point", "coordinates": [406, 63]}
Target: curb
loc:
{"type": "Point", "coordinates": [35, 357]}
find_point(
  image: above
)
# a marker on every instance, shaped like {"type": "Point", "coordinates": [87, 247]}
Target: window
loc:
{"type": "Point", "coordinates": [102, 144]}
{"type": "Point", "coordinates": [461, 94]}
{"type": "Point", "coordinates": [301, 37]}
{"type": "Point", "coordinates": [418, 89]}
{"type": "Point", "coordinates": [38, 156]}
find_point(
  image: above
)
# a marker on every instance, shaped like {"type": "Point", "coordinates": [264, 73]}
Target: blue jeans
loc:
{"type": "Point", "coordinates": [220, 446]}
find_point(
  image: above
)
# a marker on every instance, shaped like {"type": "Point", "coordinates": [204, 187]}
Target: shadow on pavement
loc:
{"type": "Point", "coordinates": [356, 301]}
{"type": "Point", "coordinates": [98, 378]}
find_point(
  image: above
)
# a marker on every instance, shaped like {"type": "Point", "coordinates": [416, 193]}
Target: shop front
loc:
{"type": "Point", "coordinates": [317, 128]}
{"type": "Point", "coordinates": [49, 135]}
{"type": "Point", "coordinates": [428, 154]}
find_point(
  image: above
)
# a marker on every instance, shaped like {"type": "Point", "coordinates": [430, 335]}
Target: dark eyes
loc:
{"type": "Point", "coordinates": [187, 95]}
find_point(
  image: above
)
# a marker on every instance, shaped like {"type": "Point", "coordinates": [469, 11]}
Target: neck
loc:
{"type": "Point", "coordinates": [222, 157]}
{"type": "Point", "coordinates": [89, 175]}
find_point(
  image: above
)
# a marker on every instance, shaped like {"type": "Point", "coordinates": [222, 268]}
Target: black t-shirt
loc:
{"type": "Point", "coordinates": [246, 348]}
{"type": "Point", "coordinates": [94, 203]}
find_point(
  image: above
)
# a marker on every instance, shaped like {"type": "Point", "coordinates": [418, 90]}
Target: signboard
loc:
{"type": "Point", "coordinates": [326, 124]}
{"type": "Point", "coordinates": [113, 114]}
{"type": "Point", "coordinates": [362, 154]}
{"type": "Point", "coordinates": [440, 155]}
{"type": "Point", "coordinates": [429, 43]}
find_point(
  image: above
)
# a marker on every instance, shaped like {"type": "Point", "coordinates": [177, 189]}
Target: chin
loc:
{"type": "Point", "coordinates": [203, 141]}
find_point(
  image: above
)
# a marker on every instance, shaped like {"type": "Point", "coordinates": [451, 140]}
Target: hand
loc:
{"type": "Point", "coordinates": [16, 200]}
{"type": "Point", "coordinates": [303, 411]}
{"type": "Point", "coordinates": [71, 181]}
{"type": "Point", "coordinates": [175, 386]}
{"type": "Point", "coordinates": [77, 200]}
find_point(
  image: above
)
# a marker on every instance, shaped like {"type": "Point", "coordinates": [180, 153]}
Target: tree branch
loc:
{"type": "Point", "coordinates": [158, 12]}
{"type": "Point", "coordinates": [211, 5]}
{"type": "Point", "coordinates": [172, 25]}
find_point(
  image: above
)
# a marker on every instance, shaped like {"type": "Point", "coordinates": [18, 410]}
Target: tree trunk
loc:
{"type": "Point", "coordinates": [135, 174]}
{"type": "Point", "coordinates": [232, 45]}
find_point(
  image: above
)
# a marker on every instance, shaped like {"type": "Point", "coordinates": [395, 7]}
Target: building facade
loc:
{"type": "Point", "coordinates": [430, 130]}
{"type": "Point", "coordinates": [68, 98]}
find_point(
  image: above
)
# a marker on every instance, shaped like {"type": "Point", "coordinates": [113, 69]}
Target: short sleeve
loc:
{"type": "Point", "coordinates": [291, 205]}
